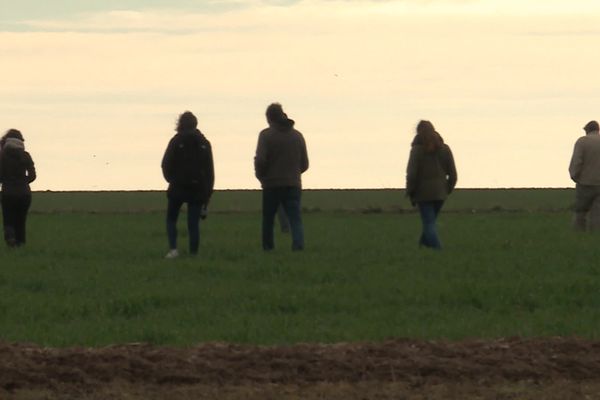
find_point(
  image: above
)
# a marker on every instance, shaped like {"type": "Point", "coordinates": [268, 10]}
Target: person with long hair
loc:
{"type": "Point", "coordinates": [430, 178]}
{"type": "Point", "coordinates": [280, 160]}
{"type": "Point", "coordinates": [17, 171]}
{"type": "Point", "coordinates": [188, 167]}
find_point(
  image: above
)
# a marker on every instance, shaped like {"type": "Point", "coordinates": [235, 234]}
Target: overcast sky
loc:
{"type": "Point", "coordinates": [96, 86]}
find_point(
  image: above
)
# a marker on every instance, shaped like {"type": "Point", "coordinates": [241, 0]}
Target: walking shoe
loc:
{"type": "Point", "coordinates": [173, 253]}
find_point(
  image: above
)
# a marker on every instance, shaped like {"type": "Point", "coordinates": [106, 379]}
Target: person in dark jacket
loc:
{"type": "Point", "coordinates": [281, 158]}
{"type": "Point", "coordinates": [17, 171]}
{"type": "Point", "coordinates": [430, 178]}
{"type": "Point", "coordinates": [188, 167]}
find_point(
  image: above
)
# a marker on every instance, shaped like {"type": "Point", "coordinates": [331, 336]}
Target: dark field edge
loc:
{"type": "Point", "coordinates": [368, 201]}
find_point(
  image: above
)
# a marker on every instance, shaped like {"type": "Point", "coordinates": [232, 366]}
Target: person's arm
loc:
{"type": "Point", "coordinates": [167, 162]}
{"type": "Point", "coordinates": [210, 172]}
{"type": "Point", "coordinates": [260, 158]}
{"type": "Point", "coordinates": [576, 162]}
{"type": "Point", "coordinates": [412, 170]}
{"type": "Point", "coordinates": [30, 168]}
{"type": "Point", "coordinates": [451, 171]}
{"type": "Point", "coordinates": [304, 156]}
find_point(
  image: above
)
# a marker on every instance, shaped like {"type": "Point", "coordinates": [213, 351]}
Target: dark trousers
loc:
{"type": "Point", "coordinates": [587, 208]}
{"type": "Point", "coordinates": [289, 198]}
{"type": "Point", "coordinates": [14, 213]}
{"type": "Point", "coordinates": [193, 222]}
{"type": "Point", "coordinates": [429, 211]}
{"type": "Point", "coordinates": [284, 222]}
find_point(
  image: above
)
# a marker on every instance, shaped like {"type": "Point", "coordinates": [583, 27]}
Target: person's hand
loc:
{"type": "Point", "coordinates": [203, 211]}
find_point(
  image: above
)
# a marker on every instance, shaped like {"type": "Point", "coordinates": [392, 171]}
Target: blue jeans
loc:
{"type": "Point", "coordinates": [429, 211]}
{"type": "Point", "coordinates": [289, 198]}
{"type": "Point", "coordinates": [193, 222]}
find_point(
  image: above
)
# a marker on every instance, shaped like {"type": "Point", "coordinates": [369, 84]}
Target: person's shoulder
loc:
{"type": "Point", "coordinates": [295, 132]}
{"type": "Point", "coordinates": [446, 148]}
{"type": "Point", "coordinates": [204, 142]}
{"type": "Point", "coordinates": [175, 138]}
{"type": "Point", "coordinates": [202, 138]}
{"type": "Point", "coordinates": [417, 148]}
{"type": "Point", "coordinates": [584, 141]}
{"type": "Point", "coordinates": [265, 134]}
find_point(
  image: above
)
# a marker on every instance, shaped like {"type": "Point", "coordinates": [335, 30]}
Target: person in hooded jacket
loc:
{"type": "Point", "coordinates": [281, 158]}
{"type": "Point", "coordinates": [17, 171]}
{"type": "Point", "coordinates": [430, 178]}
{"type": "Point", "coordinates": [187, 166]}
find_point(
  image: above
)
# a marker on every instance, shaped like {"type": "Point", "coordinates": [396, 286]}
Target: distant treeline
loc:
{"type": "Point", "coordinates": [348, 200]}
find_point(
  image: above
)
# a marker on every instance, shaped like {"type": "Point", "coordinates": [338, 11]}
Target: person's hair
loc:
{"type": "Point", "coordinates": [186, 121]}
{"type": "Point", "coordinates": [14, 133]}
{"type": "Point", "coordinates": [428, 137]}
{"type": "Point", "coordinates": [591, 126]}
{"type": "Point", "coordinates": [275, 113]}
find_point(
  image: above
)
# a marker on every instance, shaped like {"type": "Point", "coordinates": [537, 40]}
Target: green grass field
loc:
{"type": "Point", "coordinates": [313, 200]}
{"type": "Point", "coordinates": [93, 276]}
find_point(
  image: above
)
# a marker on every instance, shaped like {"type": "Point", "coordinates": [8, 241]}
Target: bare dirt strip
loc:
{"type": "Point", "coordinates": [510, 368]}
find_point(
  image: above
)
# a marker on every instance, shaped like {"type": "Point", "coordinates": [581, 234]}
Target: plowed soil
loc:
{"type": "Point", "coordinates": [513, 368]}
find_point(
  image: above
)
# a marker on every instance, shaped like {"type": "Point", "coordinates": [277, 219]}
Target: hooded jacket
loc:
{"type": "Point", "coordinates": [281, 155]}
{"type": "Point", "coordinates": [188, 166]}
{"type": "Point", "coordinates": [17, 170]}
{"type": "Point", "coordinates": [430, 175]}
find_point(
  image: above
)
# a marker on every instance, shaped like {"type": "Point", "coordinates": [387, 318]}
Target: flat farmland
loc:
{"type": "Point", "coordinates": [90, 309]}
{"type": "Point", "coordinates": [313, 200]}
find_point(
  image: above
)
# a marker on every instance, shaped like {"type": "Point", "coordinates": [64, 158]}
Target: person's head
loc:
{"type": "Point", "coordinates": [427, 136]}
{"type": "Point", "coordinates": [275, 114]}
{"type": "Point", "coordinates": [187, 121]}
{"type": "Point", "coordinates": [591, 126]}
{"type": "Point", "coordinates": [15, 134]}
{"type": "Point", "coordinates": [11, 134]}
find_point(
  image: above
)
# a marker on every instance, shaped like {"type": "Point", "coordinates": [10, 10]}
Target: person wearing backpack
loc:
{"type": "Point", "coordinates": [187, 166]}
{"type": "Point", "coordinates": [17, 171]}
{"type": "Point", "coordinates": [430, 178]}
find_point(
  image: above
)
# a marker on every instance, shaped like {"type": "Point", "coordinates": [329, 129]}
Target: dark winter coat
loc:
{"type": "Point", "coordinates": [281, 156]}
{"type": "Point", "coordinates": [430, 176]}
{"type": "Point", "coordinates": [188, 167]}
{"type": "Point", "coordinates": [17, 170]}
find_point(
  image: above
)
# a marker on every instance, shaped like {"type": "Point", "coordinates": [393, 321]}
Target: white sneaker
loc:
{"type": "Point", "coordinates": [173, 253]}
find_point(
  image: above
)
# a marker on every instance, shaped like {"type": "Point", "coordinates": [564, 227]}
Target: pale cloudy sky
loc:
{"type": "Point", "coordinates": [96, 86]}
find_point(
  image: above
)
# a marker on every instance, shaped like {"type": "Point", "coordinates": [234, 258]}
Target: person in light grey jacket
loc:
{"type": "Point", "coordinates": [584, 170]}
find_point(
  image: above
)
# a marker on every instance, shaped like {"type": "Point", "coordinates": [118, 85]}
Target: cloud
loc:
{"type": "Point", "coordinates": [187, 16]}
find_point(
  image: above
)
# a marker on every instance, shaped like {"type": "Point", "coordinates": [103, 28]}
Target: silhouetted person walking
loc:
{"type": "Point", "coordinates": [17, 171]}
{"type": "Point", "coordinates": [188, 167]}
{"type": "Point", "coordinates": [280, 160]}
{"type": "Point", "coordinates": [585, 171]}
{"type": "Point", "coordinates": [430, 178]}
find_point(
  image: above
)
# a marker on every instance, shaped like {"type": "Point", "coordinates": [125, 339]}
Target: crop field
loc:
{"type": "Point", "coordinates": [89, 309]}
